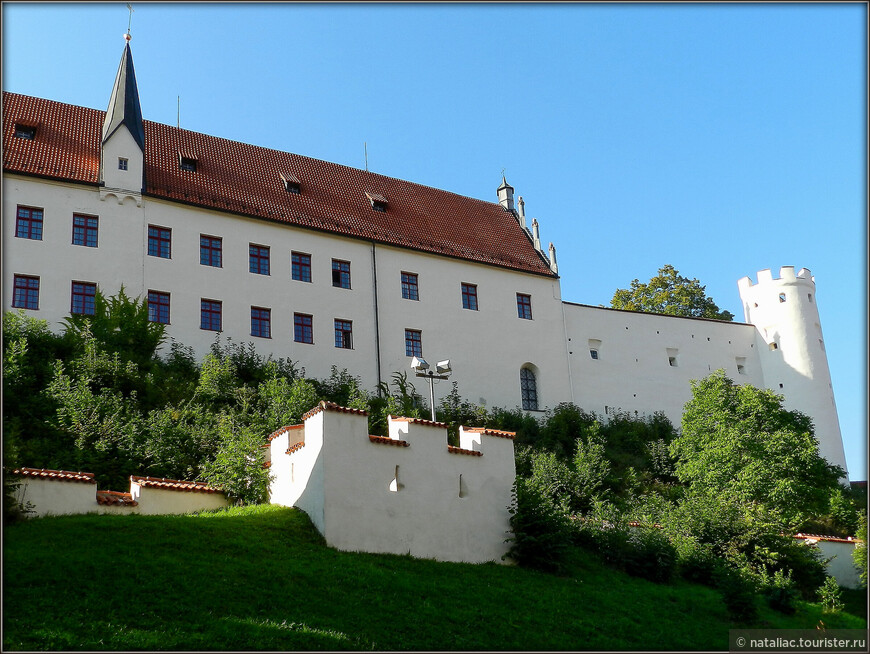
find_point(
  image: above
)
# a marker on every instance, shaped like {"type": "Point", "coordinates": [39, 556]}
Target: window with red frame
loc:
{"type": "Point", "coordinates": [413, 343]}
{"type": "Point", "coordinates": [28, 223]}
{"type": "Point", "coordinates": [469, 296]}
{"type": "Point", "coordinates": [303, 328]}
{"type": "Point", "coordinates": [524, 306]}
{"type": "Point", "coordinates": [83, 298]}
{"type": "Point", "coordinates": [159, 242]}
{"type": "Point", "coordinates": [259, 259]}
{"type": "Point", "coordinates": [158, 307]}
{"type": "Point", "coordinates": [261, 322]}
{"type": "Point", "coordinates": [210, 315]}
{"type": "Point", "coordinates": [85, 230]}
{"type": "Point", "coordinates": [25, 294]}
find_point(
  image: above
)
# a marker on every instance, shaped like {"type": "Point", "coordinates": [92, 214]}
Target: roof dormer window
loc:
{"type": "Point", "coordinates": [25, 129]}
{"type": "Point", "coordinates": [291, 183]}
{"type": "Point", "coordinates": [379, 202]}
{"type": "Point", "coordinates": [187, 161]}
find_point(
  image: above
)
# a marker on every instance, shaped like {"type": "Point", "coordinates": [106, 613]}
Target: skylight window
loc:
{"type": "Point", "coordinates": [25, 130]}
{"type": "Point", "coordinates": [379, 202]}
{"type": "Point", "coordinates": [291, 183]}
{"type": "Point", "coordinates": [187, 161]}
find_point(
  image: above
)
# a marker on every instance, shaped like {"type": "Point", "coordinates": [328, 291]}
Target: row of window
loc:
{"type": "Point", "coordinates": [86, 230]}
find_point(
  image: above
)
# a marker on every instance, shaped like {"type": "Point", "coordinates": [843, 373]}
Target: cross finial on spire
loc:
{"type": "Point", "coordinates": [129, 22]}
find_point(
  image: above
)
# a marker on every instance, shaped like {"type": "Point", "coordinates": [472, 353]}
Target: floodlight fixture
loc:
{"type": "Point", "coordinates": [419, 364]}
{"type": "Point", "coordinates": [443, 367]}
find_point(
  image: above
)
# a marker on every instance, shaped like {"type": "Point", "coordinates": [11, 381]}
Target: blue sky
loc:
{"type": "Point", "coordinates": [720, 138]}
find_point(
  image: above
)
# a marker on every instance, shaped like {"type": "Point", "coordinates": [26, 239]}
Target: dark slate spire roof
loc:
{"type": "Point", "coordinates": [124, 106]}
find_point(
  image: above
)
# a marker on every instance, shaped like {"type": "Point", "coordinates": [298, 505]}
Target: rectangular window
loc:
{"type": "Point", "coordinates": [188, 164]}
{"type": "Point", "coordinates": [211, 251]}
{"type": "Point", "coordinates": [259, 259]}
{"type": "Point", "coordinates": [26, 132]}
{"type": "Point", "coordinates": [343, 334]}
{"type": "Point", "coordinates": [122, 163]}
{"type": "Point", "coordinates": [524, 306]}
{"type": "Point", "coordinates": [83, 298]}
{"type": "Point", "coordinates": [409, 286]}
{"type": "Point", "coordinates": [85, 229]}
{"type": "Point", "coordinates": [341, 273]}
{"type": "Point", "coordinates": [413, 343]}
{"type": "Point", "coordinates": [303, 328]}
{"type": "Point", "coordinates": [301, 266]}
{"type": "Point", "coordinates": [210, 315]}
{"type": "Point", "coordinates": [158, 307]}
{"type": "Point", "coordinates": [159, 242]}
{"type": "Point", "coordinates": [28, 223]}
{"type": "Point", "coordinates": [469, 296]}
{"type": "Point", "coordinates": [26, 292]}
{"type": "Point", "coordinates": [261, 322]}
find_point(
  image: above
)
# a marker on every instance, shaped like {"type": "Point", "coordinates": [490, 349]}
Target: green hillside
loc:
{"type": "Point", "coordinates": [260, 578]}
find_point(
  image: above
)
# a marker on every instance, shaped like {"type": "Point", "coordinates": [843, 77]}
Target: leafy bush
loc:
{"type": "Point", "coordinates": [541, 535]}
{"type": "Point", "coordinates": [780, 593]}
{"type": "Point", "coordinates": [739, 591]}
{"type": "Point", "coordinates": [859, 554]}
{"type": "Point", "coordinates": [829, 595]}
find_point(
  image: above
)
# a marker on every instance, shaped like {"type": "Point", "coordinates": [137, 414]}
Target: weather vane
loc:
{"type": "Point", "coordinates": [129, 22]}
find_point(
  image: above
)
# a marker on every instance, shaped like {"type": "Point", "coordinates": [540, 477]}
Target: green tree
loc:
{"type": "Point", "coordinates": [859, 554]}
{"type": "Point", "coordinates": [669, 293]}
{"type": "Point", "coordinates": [739, 441]}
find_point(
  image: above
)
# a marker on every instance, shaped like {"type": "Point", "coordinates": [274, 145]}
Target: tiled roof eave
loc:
{"type": "Point", "coordinates": [53, 178]}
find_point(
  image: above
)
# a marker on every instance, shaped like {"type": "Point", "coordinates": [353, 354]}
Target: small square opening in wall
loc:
{"type": "Point", "coordinates": [741, 365]}
{"type": "Point", "coordinates": [782, 297]}
{"type": "Point", "coordinates": [810, 297]}
{"type": "Point", "coordinates": [594, 354]}
{"type": "Point", "coordinates": [672, 361]}
{"type": "Point", "coordinates": [672, 357]}
{"type": "Point", "coordinates": [780, 385]}
{"type": "Point", "coordinates": [773, 346]}
{"type": "Point", "coordinates": [395, 485]}
{"type": "Point", "coordinates": [122, 163]}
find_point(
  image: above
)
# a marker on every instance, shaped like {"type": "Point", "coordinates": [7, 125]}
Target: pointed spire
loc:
{"type": "Point", "coordinates": [506, 194]}
{"type": "Point", "coordinates": [553, 265]}
{"type": "Point", "coordinates": [124, 106]}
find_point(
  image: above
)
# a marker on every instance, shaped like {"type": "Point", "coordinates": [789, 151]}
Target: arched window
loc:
{"type": "Point", "coordinates": [529, 389]}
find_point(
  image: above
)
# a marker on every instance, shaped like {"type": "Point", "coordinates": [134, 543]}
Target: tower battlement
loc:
{"type": "Point", "coordinates": [786, 275]}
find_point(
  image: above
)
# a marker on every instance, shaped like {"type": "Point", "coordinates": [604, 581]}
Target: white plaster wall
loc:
{"type": "Point", "coordinates": [841, 566]}
{"type": "Point", "coordinates": [117, 258]}
{"type": "Point", "coordinates": [116, 509]}
{"type": "Point", "coordinates": [122, 144]}
{"type": "Point", "coordinates": [632, 372]}
{"type": "Point", "coordinates": [161, 501]}
{"type": "Point", "coordinates": [54, 497]}
{"type": "Point", "coordinates": [486, 347]}
{"type": "Point", "coordinates": [798, 368]}
{"type": "Point", "coordinates": [425, 516]}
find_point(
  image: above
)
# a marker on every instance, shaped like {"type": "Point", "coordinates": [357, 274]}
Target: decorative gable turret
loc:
{"type": "Point", "coordinates": [122, 151]}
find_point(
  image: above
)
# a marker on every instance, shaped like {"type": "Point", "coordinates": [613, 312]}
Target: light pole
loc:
{"type": "Point", "coordinates": [422, 369]}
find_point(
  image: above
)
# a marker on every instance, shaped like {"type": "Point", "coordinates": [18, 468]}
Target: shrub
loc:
{"type": "Point", "coordinates": [738, 590]}
{"type": "Point", "coordinates": [541, 530]}
{"type": "Point", "coordinates": [859, 554]}
{"type": "Point", "coordinates": [649, 554]}
{"type": "Point", "coordinates": [780, 593]}
{"type": "Point", "coordinates": [829, 596]}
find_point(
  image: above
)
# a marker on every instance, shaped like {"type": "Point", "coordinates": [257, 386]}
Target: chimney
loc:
{"type": "Point", "coordinates": [506, 195]}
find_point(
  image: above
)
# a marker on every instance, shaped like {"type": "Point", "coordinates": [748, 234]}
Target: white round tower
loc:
{"type": "Point", "coordinates": [792, 350]}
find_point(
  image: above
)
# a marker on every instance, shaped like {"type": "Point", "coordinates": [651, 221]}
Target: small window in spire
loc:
{"type": "Point", "coordinates": [379, 202]}
{"type": "Point", "coordinates": [291, 183]}
{"type": "Point", "coordinates": [122, 163]}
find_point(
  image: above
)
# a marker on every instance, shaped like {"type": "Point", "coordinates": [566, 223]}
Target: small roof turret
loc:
{"type": "Point", "coordinates": [124, 106]}
{"type": "Point", "coordinates": [506, 194]}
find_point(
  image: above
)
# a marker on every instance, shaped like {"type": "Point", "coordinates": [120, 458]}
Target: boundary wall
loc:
{"type": "Point", "coordinates": [406, 493]}
{"type": "Point", "coordinates": [61, 492]}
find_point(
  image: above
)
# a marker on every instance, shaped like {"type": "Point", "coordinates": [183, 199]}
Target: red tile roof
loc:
{"type": "Point", "coordinates": [458, 450]}
{"type": "Point", "coordinates": [830, 539]}
{"type": "Point", "coordinates": [244, 179]}
{"type": "Point", "coordinates": [56, 475]}
{"type": "Point", "coordinates": [387, 441]}
{"type": "Point", "coordinates": [115, 498]}
{"type": "Point", "coordinates": [173, 484]}
{"type": "Point", "coordinates": [332, 406]}
{"type": "Point", "coordinates": [491, 432]}
{"type": "Point", "coordinates": [418, 421]}
{"type": "Point", "coordinates": [294, 448]}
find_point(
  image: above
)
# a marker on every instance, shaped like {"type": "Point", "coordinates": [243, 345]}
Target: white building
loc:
{"type": "Point", "coordinates": [329, 265]}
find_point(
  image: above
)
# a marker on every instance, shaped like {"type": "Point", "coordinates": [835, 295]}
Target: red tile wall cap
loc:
{"type": "Point", "coordinates": [295, 448]}
{"type": "Point", "coordinates": [458, 450]}
{"type": "Point", "coordinates": [174, 484]}
{"type": "Point", "coordinates": [56, 475]}
{"type": "Point", "coordinates": [418, 421]}
{"type": "Point", "coordinates": [237, 178]}
{"type": "Point", "coordinates": [110, 498]}
{"type": "Point", "coordinates": [491, 432]}
{"type": "Point", "coordinates": [332, 406]}
{"type": "Point", "coordinates": [268, 464]}
{"type": "Point", "coordinates": [283, 430]}
{"type": "Point", "coordinates": [829, 539]}
{"type": "Point", "coordinates": [387, 441]}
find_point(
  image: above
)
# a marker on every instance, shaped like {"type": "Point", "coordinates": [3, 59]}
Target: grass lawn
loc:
{"type": "Point", "coordinates": [260, 578]}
